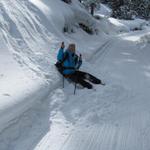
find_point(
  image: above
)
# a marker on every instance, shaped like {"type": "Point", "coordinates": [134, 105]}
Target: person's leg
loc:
{"type": "Point", "coordinates": [88, 76]}
{"type": "Point", "coordinates": [78, 78]}
{"type": "Point", "coordinates": [80, 74]}
{"type": "Point", "coordinates": [59, 67]}
{"type": "Point", "coordinates": [85, 83]}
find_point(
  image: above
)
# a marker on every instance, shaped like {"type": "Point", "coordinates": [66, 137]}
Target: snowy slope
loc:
{"type": "Point", "coordinates": [37, 113]}
{"type": "Point", "coordinates": [20, 33]}
{"type": "Point", "coordinates": [116, 26]}
{"type": "Point", "coordinates": [113, 117]}
{"type": "Point", "coordinates": [30, 33]}
{"type": "Point", "coordinates": [104, 10]}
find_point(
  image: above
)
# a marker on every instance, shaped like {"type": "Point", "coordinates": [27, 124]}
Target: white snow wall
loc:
{"type": "Point", "coordinates": [30, 32]}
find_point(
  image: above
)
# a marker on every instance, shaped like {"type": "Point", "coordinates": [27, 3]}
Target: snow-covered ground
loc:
{"type": "Point", "coordinates": [38, 114]}
{"type": "Point", "coordinates": [116, 26]}
{"type": "Point", "coordinates": [113, 117]}
{"type": "Point", "coordinates": [104, 11]}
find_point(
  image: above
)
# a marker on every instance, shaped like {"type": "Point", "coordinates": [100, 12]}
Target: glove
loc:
{"type": "Point", "coordinates": [58, 65]}
{"type": "Point", "coordinates": [62, 45]}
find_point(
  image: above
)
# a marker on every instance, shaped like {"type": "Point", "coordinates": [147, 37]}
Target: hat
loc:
{"type": "Point", "coordinates": [72, 47]}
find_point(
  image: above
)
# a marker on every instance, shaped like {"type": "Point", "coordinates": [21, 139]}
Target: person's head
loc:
{"type": "Point", "coordinates": [72, 48]}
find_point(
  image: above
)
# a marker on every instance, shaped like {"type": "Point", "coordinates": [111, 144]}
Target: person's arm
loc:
{"type": "Point", "coordinates": [61, 52]}
{"type": "Point", "coordinates": [66, 55]}
{"type": "Point", "coordinates": [62, 45]}
{"type": "Point", "coordinates": [60, 55]}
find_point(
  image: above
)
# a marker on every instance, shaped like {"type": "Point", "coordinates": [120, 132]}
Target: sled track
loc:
{"type": "Point", "coordinates": [111, 136]}
{"type": "Point", "coordinates": [100, 52]}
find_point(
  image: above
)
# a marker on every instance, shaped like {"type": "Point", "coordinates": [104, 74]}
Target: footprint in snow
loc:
{"type": "Point", "coordinates": [6, 94]}
{"type": "Point", "coordinates": [1, 75]}
{"type": "Point", "coordinates": [47, 76]}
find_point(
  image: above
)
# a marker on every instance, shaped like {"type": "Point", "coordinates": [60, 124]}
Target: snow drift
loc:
{"type": "Point", "coordinates": [30, 33]}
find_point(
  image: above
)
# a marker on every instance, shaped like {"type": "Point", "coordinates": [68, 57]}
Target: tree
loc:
{"type": "Point", "coordinates": [91, 4]}
{"type": "Point", "coordinates": [128, 9]}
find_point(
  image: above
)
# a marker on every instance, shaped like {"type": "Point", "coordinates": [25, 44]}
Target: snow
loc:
{"type": "Point", "coordinates": [145, 38]}
{"type": "Point", "coordinates": [38, 114]}
{"type": "Point", "coordinates": [120, 26]}
{"type": "Point", "coordinates": [115, 26]}
{"type": "Point", "coordinates": [112, 117]}
{"type": "Point", "coordinates": [104, 10]}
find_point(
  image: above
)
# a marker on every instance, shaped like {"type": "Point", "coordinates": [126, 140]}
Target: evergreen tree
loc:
{"type": "Point", "coordinates": [128, 9]}
{"type": "Point", "coordinates": [91, 5]}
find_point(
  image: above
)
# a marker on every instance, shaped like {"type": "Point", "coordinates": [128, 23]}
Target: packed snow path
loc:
{"type": "Point", "coordinates": [114, 117]}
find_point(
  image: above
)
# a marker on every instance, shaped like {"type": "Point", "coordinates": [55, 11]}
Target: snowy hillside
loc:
{"type": "Point", "coordinates": [37, 113]}
{"type": "Point", "coordinates": [30, 33]}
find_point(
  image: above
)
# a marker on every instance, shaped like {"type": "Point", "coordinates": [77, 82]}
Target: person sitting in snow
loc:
{"type": "Point", "coordinates": [68, 64]}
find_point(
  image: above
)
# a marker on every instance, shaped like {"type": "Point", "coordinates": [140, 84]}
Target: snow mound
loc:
{"type": "Point", "coordinates": [30, 34]}
{"type": "Point", "coordinates": [145, 39]}
{"type": "Point", "coordinates": [112, 26]}
{"type": "Point", "coordinates": [127, 25]}
{"type": "Point", "coordinates": [104, 11]}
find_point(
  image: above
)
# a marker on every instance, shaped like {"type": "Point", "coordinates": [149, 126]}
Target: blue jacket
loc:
{"type": "Point", "coordinates": [60, 55]}
{"type": "Point", "coordinates": [71, 63]}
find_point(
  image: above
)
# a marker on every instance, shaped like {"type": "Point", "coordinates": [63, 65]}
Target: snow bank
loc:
{"type": "Point", "coordinates": [145, 39]}
{"type": "Point", "coordinates": [104, 11]}
{"type": "Point", "coordinates": [112, 26]}
{"type": "Point", "coordinates": [127, 25]}
{"type": "Point", "coordinates": [30, 33]}
{"type": "Point", "coordinates": [114, 116]}
{"type": "Point", "coordinates": [21, 64]}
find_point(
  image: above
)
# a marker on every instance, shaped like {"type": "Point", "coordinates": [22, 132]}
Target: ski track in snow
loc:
{"type": "Point", "coordinates": [110, 118]}
{"type": "Point", "coordinates": [99, 52]}
{"type": "Point", "coordinates": [113, 117]}
{"type": "Point", "coordinates": [23, 34]}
